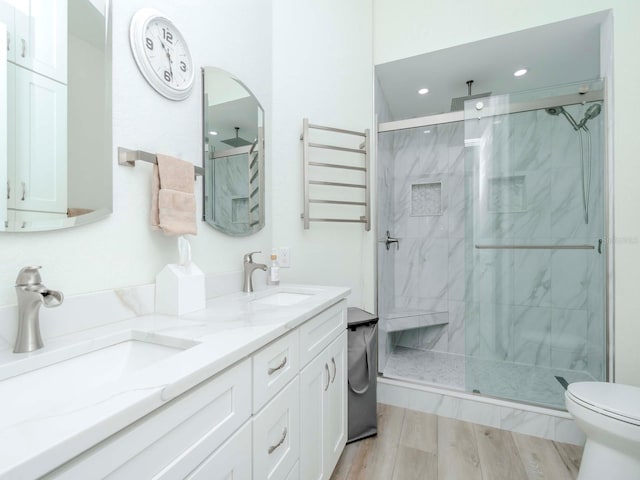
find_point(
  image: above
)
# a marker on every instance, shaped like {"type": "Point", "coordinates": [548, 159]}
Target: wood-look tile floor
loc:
{"type": "Point", "coordinates": [415, 445]}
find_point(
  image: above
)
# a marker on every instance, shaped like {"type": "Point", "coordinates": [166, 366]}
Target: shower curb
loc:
{"type": "Point", "coordinates": [548, 423]}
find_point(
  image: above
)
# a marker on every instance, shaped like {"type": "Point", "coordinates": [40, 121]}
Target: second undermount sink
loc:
{"type": "Point", "coordinates": [59, 376]}
{"type": "Point", "coordinates": [283, 299]}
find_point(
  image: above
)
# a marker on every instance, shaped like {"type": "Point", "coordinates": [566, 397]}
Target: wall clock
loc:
{"type": "Point", "coordinates": [162, 54]}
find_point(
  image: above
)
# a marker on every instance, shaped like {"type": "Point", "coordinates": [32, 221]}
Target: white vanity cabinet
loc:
{"type": "Point", "coordinates": [268, 417]}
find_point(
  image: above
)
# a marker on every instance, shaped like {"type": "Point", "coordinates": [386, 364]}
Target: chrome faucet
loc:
{"type": "Point", "coordinates": [249, 267]}
{"type": "Point", "coordinates": [31, 295]}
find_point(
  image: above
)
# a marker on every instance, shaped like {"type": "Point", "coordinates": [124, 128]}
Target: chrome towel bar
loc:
{"type": "Point", "coordinates": [130, 157]}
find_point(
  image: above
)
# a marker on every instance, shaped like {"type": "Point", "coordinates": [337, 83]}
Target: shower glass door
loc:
{"type": "Point", "coordinates": [534, 250]}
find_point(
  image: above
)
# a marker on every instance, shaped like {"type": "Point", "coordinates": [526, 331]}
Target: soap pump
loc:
{"type": "Point", "coordinates": [273, 276]}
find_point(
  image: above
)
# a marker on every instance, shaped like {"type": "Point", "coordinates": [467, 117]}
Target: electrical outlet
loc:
{"type": "Point", "coordinates": [284, 257]}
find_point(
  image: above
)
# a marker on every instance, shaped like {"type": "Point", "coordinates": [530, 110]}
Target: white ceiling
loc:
{"type": "Point", "coordinates": [555, 54]}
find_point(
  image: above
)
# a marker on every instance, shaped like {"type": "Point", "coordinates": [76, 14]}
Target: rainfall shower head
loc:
{"type": "Point", "coordinates": [237, 141]}
{"type": "Point", "coordinates": [457, 103]}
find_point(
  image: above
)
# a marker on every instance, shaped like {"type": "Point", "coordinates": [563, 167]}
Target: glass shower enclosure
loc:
{"type": "Point", "coordinates": [496, 284]}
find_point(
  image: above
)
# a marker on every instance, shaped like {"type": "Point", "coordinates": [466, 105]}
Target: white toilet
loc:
{"type": "Point", "coordinates": [609, 415]}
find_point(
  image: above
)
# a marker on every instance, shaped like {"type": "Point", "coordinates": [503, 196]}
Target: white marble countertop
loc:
{"type": "Point", "coordinates": [39, 434]}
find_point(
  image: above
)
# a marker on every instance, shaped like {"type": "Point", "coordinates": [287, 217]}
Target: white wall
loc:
{"type": "Point", "coordinates": [322, 69]}
{"type": "Point", "coordinates": [231, 34]}
{"type": "Point", "coordinates": [420, 27]}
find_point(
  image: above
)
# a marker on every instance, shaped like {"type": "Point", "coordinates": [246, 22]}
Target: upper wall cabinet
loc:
{"type": "Point", "coordinates": [37, 35]}
{"type": "Point", "coordinates": [56, 156]}
{"type": "Point", "coordinates": [233, 146]}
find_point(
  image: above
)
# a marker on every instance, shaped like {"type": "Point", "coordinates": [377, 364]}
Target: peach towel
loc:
{"type": "Point", "coordinates": [173, 204]}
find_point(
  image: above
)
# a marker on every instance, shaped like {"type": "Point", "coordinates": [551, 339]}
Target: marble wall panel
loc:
{"type": "Point", "coordinates": [569, 339]}
{"type": "Point", "coordinates": [532, 335]}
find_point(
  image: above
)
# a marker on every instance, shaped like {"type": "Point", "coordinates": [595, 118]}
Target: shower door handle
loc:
{"type": "Point", "coordinates": [389, 240]}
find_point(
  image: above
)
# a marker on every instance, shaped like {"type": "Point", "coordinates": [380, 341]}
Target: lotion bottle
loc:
{"type": "Point", "coordinates": [273, 276]}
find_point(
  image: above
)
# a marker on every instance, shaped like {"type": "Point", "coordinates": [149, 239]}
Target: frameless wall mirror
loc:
{"type": "Point", "coordinates": [233, 132]}
{"type": "Point", "coordinates": [55, 155]}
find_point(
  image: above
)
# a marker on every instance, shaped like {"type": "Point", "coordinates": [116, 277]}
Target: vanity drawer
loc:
{"type": "Point", "coordinates": [174, 439]}
{"type": "Point", "coordinates": [321, 330]}
{"type": "Point", "coordinates": [276, 435]}
{"type": "Point", "coordinates": [229, 461]}
{"type": "Point", "coordinates": [273, 367]}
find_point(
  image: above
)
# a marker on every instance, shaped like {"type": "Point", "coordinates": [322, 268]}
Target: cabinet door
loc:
{"type": "Point", "coordinates": [41, 38]}
{"type": "Point", "coordinates": [335, 418]}
{"type": "Point", "coordinates": [323, 397]}
{"type": "Point", "coordinates": [315, 379]}
{"type": "Point", "coordinates": [7, 16]}
{"type": "Point", "coordinates": [229, 461]}
{"type": "Point", "coordinates": [40, 143]}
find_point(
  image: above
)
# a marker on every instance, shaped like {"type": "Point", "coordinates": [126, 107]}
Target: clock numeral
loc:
{"type": "Point", "coordinates": [167, 35]}
{"type": "Point", "coordinates": [149, 43]}
{"type": "Point", "coordinates": [183, 66]}
{"type": "Point", "coordinates": [167, 75]}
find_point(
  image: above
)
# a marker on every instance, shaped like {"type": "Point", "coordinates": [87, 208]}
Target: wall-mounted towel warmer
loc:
{"type": "Point", "coordinates": [363, 149]}
{"type": "Point", "coordinates": [130, 157]}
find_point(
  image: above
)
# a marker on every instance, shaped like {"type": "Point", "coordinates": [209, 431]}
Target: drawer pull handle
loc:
{"type": "Point", "coordinates": [326, 367]}
{"type": "Point", "coordinates": [273, 448]}
{"type": "Point", "coordinates": [335, 369]}
{"type": "Point", "coordinates": [23, 53]}
{"type": "Point", "coordinates": [24, 190]}
{"type": "Point", "coordinates": [273, 370]}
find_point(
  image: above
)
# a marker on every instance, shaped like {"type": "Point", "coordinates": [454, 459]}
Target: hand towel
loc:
{"type": "Point", "coordinates": [173, 203]}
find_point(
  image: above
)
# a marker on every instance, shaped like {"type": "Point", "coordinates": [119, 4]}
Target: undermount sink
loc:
{"type": "Point", "coordinates": [63, 375]}
{"type": "Point", "coordinates": [283, 299]}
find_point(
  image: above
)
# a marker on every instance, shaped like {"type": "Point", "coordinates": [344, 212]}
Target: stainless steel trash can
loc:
{"type": "Point", "coordinates": [362, 373]}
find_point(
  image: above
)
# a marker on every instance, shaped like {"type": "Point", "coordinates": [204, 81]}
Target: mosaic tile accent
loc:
{"type": "Point", "coordinates": [507, 194]}
{"type": "Point", "coordinates": [426, 199]}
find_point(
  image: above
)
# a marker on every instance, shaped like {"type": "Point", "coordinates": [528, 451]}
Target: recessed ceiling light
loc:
{"type": "Point", "coordinates": [423, 91]}
{"type": "Point", "coordinates": [213, 132]}
{"type": "Point", "coordinates": [521, 72]}
{"type": "Point", "coordinates": [427, 131]}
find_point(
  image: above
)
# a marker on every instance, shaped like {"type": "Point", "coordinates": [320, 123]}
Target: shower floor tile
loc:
{"type": "Point", "coordinates": [513, 381]}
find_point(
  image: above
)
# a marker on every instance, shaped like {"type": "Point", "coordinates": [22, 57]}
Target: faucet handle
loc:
{"type": "Point", "coordinates": [248, 258]}
{"type": "Point", "coordinates": [29, 276]}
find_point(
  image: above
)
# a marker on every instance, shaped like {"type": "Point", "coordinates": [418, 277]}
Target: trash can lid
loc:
{"type": "Point", "coordinates": [357, 316]}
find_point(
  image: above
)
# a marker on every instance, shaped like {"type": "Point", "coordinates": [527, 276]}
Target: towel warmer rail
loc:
{"type": "Point", "coordinates": [364, 150]}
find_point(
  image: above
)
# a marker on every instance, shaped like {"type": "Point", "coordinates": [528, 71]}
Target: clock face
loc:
{"type": "Point", "coordinates": [162, 54]}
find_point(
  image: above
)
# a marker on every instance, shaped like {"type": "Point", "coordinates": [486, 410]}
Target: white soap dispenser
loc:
{"type": "Point", "coordinates": [273, 276]}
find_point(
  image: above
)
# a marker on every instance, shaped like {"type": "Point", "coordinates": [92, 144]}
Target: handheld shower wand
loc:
{"type": "Point", "coordinates": [592, 112]}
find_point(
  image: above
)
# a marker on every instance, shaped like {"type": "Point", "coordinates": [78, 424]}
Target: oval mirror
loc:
{"type": "Point", "coordinates": [233, 133]}
{"type": "Point", "coordinates": [55, 152]}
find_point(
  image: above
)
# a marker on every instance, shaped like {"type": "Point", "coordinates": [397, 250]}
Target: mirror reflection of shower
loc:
{"type": "Point", "coordinates": [580, 127]}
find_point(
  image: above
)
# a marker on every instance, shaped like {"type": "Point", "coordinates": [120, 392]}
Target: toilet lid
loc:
{"type": "Point", "coordinates": [615, 399]}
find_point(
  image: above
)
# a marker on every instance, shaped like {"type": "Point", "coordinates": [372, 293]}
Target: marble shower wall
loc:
{"type": "Point", "coordinates": [540, 307]}
{"type": "Point", "coordinates": [423, 182]}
